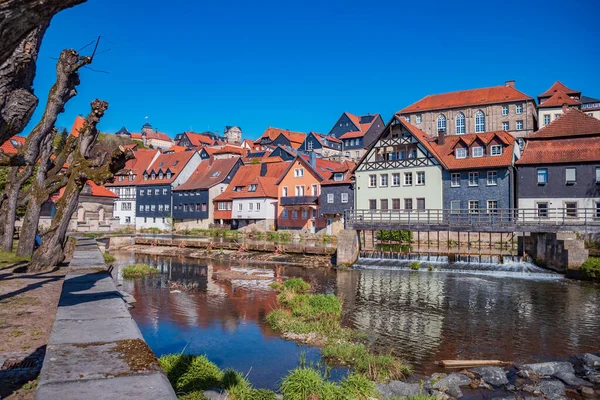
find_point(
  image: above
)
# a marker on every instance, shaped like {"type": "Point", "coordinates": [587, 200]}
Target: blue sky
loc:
{"type": "Point", "coordinates": [298, 65]}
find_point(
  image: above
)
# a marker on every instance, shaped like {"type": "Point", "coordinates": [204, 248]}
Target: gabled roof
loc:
{"type": "Point", "coordinates": [446, 153]}
{"type": "Point", "coordinates": [135, 166]}
{"type": "Point", "coordinates": [137, 136]}
{"type": "Point", "coordinates": [77, 125]}
{"type": "Point", "coordinates": [158, 136]}
{"type": "Point", "coordinates": [464, 98]}
{"type": "Point", "coordinates": [362, 123]}
{"type": "Point", "coordinates": [295, 138]}
{"type": "Point", "coordinates": [572, 123]}
{"type": "Point", "coordinates": [558, 99]}
{"type": "Point", "coordinates": [346, 168]}
{"type": "Point", "coordinates": [96, 191]}
{"type": "Point", "coordinates": [9, 147]}
{"type": "Point", "coordinates": [559, 86]}
{"type": "Point", "coordinates": [176, 149]}
{"type": "Point", "coordinates": [198, 139]}
{"type": "Point", "coordinates": [320, 138]}
{"type": "Point", "coordinates": [209, 173]}
{"type": "Point", "coordinates": [263, 176]}
{"type": "Point", "coordinates": [228, 149]}
{"type": "Point", "coordinates": [173, 162]}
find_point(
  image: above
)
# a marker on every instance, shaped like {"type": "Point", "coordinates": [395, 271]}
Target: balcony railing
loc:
{"type": "Point", "coordinates": [299, 200]}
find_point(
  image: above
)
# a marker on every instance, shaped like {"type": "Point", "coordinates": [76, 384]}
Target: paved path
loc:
{"type": "Point", "coordinates": [96, 350]}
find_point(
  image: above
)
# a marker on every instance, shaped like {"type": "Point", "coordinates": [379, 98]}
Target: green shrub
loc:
{"type": "Point", "coordinates": [591, 268]}
{"type": "Point", "coordinates": [430, 267]}
{"type": "Point", "coordinates": [397, 236]}
{"type": "Point", "coordinates": [415, 265]}
{"type": "Point", "coordinates": [297, 285]}
{"type": "Point", "coordinates": [301, 384]}
{"type": "Point", "coordinates": [357, 386]}
{"type": "Point", "coordinates": [136, 271]}
{"type": "Point", "coordinates": [108, 258]}
{"type": "Point", "coordinates": [189, 373]}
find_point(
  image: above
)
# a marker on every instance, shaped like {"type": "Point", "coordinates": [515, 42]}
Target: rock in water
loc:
{"type": "Point", "coordinates": [553, 390]}
{"type": "Point", "coordinates": [591, 360]}
{"type": "Point", "coordinates": [571, 379]}
{"type": "Point", "coordinates": [495, 376]}
{"type": "Point", "coordinates": [549, 368]}
{"type": "Point", "coordinates": [401, 389]}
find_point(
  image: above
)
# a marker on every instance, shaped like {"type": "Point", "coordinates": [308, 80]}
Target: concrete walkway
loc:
{"type": "Point", "coordinates": [96, 350]}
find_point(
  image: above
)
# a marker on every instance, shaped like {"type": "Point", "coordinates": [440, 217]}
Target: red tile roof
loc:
{"type": "Point", "coordinates": [197, 139]}
{"type": "Point", "coordinates": [77, 125]}
{"type": "Point", "coordinates": [208, 174]}
{"type": "Point", "coordinates": [559, 86]}
{"type": "Point", "coordinates": [361, 128]}
{"type": "Point", "coordinates": [464, 98]}
{"type": "Point", "coordinates": [345, 168]}
{"type": "Point", "coordinates": [230, 150]}
{"type": "Point", "coordinates": [295, 138]}
{"type": "Point", "coordinates": [136, 136]}
{"type": "Point", "coordinates": [173, 162]}
{"type": "Point", "coordinates": [266, 186]}
{"type": "Point", "coordinates": [135, 166]}
{"type": "Point", "coordinates": [446, 152]}
{"type": "Point", "coordinates": [176, 149]}
{"type": "Point", "coordinates": [131, 146]}
{"type": "Point", "coordinates": [158, 136]}
{"type": "Point", "coordinates": [96, 191]}
{"type": "Point", "coordinates": [558, 99]}
{"type": "Point", "coordinates": [10, 148]}
{"type": "Point", "coordinates": [572, 123]}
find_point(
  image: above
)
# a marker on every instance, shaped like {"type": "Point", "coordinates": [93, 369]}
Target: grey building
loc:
{"type": "Point", "coordinates": [337, 196]}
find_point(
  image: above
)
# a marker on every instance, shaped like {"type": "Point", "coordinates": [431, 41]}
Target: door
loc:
{"type": "Point", "coordinates": [329, 222]}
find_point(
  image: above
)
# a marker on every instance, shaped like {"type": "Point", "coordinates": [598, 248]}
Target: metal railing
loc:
{"type": "Point", "coordinates": [511, 219]}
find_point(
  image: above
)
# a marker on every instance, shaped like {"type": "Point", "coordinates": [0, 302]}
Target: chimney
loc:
{"type": "Point", "coordinates": [510, 84]}
{"type": "Point", "coordinates": [263, 169]}
{"type": "Point", "coordinates": [313, 159]}
{"type": "Point", "coordinates": [441, 139]}
{"type": "Point", "coordinates": [564, 108]}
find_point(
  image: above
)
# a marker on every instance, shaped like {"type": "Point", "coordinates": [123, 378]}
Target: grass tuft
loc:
{"type": "Point", "coordinates": [415, 265]}
{"type": "Point", "coordinates": [108, 258]}
{"type": "Point", "coordinates": [7, 258]}
{"type": "Point", "coordinates": [296, 285]}
{"type": "Point", "coordinates": [591, 268]}
{"type": "Point", "coordinates": [137, 271]}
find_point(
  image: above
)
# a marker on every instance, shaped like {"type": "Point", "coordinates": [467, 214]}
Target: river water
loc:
{"type": "Point", "coordinates": [423, 316]}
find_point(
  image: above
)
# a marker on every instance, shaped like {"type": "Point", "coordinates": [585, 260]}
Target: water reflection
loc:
{"type": "Point", "coordinates": [423, 316]}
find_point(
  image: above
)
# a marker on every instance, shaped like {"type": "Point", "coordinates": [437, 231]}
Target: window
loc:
{"type": "Point", "coordinates": [408, 179]}
{"type": "Point", "coordinates": [126, 207]}
{"type": "Point", "coordinates": [460, 123]}
{"type": "Point", "coordinates": [294, 214]}
{"type": "Point", "coordinates": [252, 187]}
{"type": "Point", "coordinates": [141, 192]}
{"type": "Point", "coordinates": [505, 125]}
{"type": "Point", "coordinates": [337, 177]}
{"type": "Point", "coordinates": [160, 207]}
{"type": "Point", "coordinates": [519, 108]}
{"type": "Point", "coordinates": [383, 180]}
{"type": "Point", "coordinates": [492, 178]}
{"type": "Point", "coordinates": [167, 207]}
{"type": "Point", "coordinates": [496, 150]}
{"type": "Point", "coordinates": [131, 177]}
{"type": "Point", "coordinates": [384, 204]}
{"type": "Point", "coordinates": [169, 175]}
{"type": "Point", "coordinates": [421, 204]}
{"type": "Point", "coordinates": [121, 178]}
{"type": "Point", "coordinates": [455, 179]}
{"type": "Point", "coordinates": [284, 191]}
{"type": "Point", "coordinates": [152, 207]}
{"type": "Point", "coordinates": [156, 192]}
{"type": "Point", "coordinates": [473, 178]}
{"type": "Point", "coordinates": [542, 210]}
{"type": "Point", "coordinates": [492, 206]}
{"type": "Point", "coordinates": [309, 145]}
{"type": "Point", "coordinates": [141, 207]}
{"type": "Point", "coordinates": [473, 206]}
{"type": "Point", "coordinates": [357, 154]}
{"type": "Point", "coordinates": [408, 204]}
{"type": "Point", "coordinates": [304, 213]}
{"type": "Point", "coordinates": [571, 209]}
{"type": "Point", "coordinates": [461, 153]}
{"type": "Point", "coordinates": [395, 204]}
{"type": "Point", "coordinates": [418, 119]}
{"type": "Point", "coordinates": [250, 206]}
{"type": "Point", "coordinates": [164, 191]}
{"type": "Point", "coordinates": [161, 175]}
{"type": "Point", "coordinates": [347, 154]}
{"type": "Point", "coordinates": [216, 174]}
{"type": "Point", "coordinates": [597, 174]}
{"type": "Point", "coordinates": [542, 176]}
{"type": "Point", "coordinates": [229, 205]}
{"type": "Point", "coordinates": [455, 206]}
{"type": "Point", "coordinates": [407, 118]}
{"type": "Point", "coordinates": [571, 175]}
{"type": "Point", "coordinates": [240, 207]}
{"type": "Point", "coordinates": [284, 214]}
{"type": "Point", "coordinates": [556, 116]}
{"type": "Point", "coordinates": [197, 207]}
{"type": "Point", "coordinates": [330, 197]}
{"type": "Point", "coordinates": [153, 176]}
{"type": "Point", "coordinates": [504, 110]}
{"type": "Point", "coordinates": [298, 172]}
{"type": "Point", "coordinates": [479, 121]}
{"type": "Point", "coordinates": [221, 206]}
{"type": "Point", "coordinates": [314, 190]}
{"type": "Point", "coordinates": [299, 190]}
{"type": "Point", "coordinates": [519, 125]}
{"type": "Point", "coordinates": [127, 220]}
{"type": "Point", "coordinates": [420, 177]}
{"type": "Point", "coordinates": [372, 180]}
{"type": "Point", "coordinates": [145, 177]}
{"type": "Point", "coordinates": [441, 122]}
{"type": "Point", "coordinates": [396, 179]}
{"type": "Point", "coordinates": [372, 204]}
{"type": "Point", "coordinates": [546, 119]}
{"type": "Point", "coordinates": [146, 207]}
{"type": "Point", "coordinates": [477, 151]}
{"type": "Point", "coordinates": [314, 213]}
{"type": "Point", "coordinates": [344, 197]}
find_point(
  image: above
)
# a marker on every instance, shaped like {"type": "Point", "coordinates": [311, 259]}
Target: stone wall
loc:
{"type": "Point", "coordinates": [562, 251]}
{"type": "Point", "coordinates": [348, 247]}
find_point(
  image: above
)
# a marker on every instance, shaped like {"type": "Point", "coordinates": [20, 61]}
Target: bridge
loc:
{"type": "Point", "coordinates": [508, 220]}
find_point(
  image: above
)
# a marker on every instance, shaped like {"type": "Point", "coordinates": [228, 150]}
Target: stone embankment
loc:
{"type": "Point", "coordinates": [550, 380]}
{"type": "Point", "coordinates": [96, 350]}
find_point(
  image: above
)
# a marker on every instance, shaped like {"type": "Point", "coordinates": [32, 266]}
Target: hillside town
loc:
{"type": "Point", "coordinates": [474, 151]}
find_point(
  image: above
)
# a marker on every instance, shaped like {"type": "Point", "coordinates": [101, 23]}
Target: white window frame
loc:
{"type": "Point", "coordinates": [477, 152]}
{"type": "Point", "coordinates": [597, 174]}
{"type": "Point", "coordinates": [460, 124]}
{"type": "Point", "coordinates": [547, 118]}
{"type": "Point", "coordinates": [298, 172]}
{"type": "Point", "coordinates": [372, 180]}
{"type": "Point", "coordinates": [473, 210]}
{"type": "Point", "coordinates": [474, 175]}
{"type": "Point", "coordinates": [418, 119]}
{"type": "Point", "coordinates": [453, 182]}
{"type": "Point", "coordinates": [570, 171]}
{"type": "Point", "coordinates": [460, 153]}
{"type": "Point", "coordinates": [257, 207]}
{"type": "Point", "coordinates": [250, 206]}
{"type": "Point", "coordinates": [383, 180]}
{"type": "Point", "coordinates": [441, 123]}
{"type": "Point", "coordinates": [519, 109]}
{"type": "Point", "coordinates": [344, 197]}
{"type": "Point", "coordinates": [420, 178]}
{"type": "Point", "coordinates": [330, 198]}
{"type": "Point", "coordinates": [494, 178]}
{"type": "Point", "coordinates": [479, 121]}
{"type": "Point", "coordinates": [453, 208]}
{"type": "Point", "coordinates": [505, 126]}
{"type": "Point", "coordinates": [408, 179]}
{"type": "Point", "coordinates": [496, 150]}
{"type": "Point", "coordinates": [520, 125]}
{"type": "Point", "coordinates": [494, 203]}
{"type": "Point", "coordinates": [240, 207]}
{"type": "Point", "coordinates": [338, 177]}
{"type": "Point", "coordinates": [566, 207]}
{"type": "Point", "coordinates": [505, 110]}
{"type": "Point", "coordinates": [545, 174]}
{"type": "Point", "coordinates": [284, 191]}
{"type": "Point", "coordinates": [396, 179]}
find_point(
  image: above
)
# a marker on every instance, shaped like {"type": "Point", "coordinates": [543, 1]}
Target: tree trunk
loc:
{"type": "Point", "coordinates": [8, 209]}
{"type": "Point", "coordinates": [38, 196]}
{"type": "Point", "coordinates": [19, 17]}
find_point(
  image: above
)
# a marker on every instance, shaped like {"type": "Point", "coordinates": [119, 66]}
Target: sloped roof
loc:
{"type": "Point", "coordinates": [320, 137]}
{"type": "Point", "coordinates": [208, 174]}
{"type": "Point", "coordinates": [445, 152]}
{"type": "Point", "coordinates": [198, 139]}
{"type": "Point", "coordinates": [176, 149]}
{"type": "Point", "coordinates": [361, 128]}
{"type": "Point", "coordinates": [96, 191]}
{"type": "Point", "coordinates": [346, 168]}
{"type": "Point", "coordinates": [572, 123]}
{"type": "Point", "coordinates": [266, 184]}
{"type": "Point", "coordinates": [570, 150]}
{"type": "Point", "coordinates": [228, 149]}
{"type": "Point", "coordinates": [77, 125]}
{"type": "Point", "coordinates": [464, 98]}
{"type": "Point", "coordinates": [135, 166]}
{"type": "Point", "coordinates": [158, 136]}
{"type": "Point", "coordinates": [559, 86]}
{"type": "Point", "coordinates": [173, 162]}
{"type": "Point", "coordinates": [295, 138]}
{"type": "Point", "coordinates": [558, 99]}
{"type": "Point", "coordinates": [9, 148]}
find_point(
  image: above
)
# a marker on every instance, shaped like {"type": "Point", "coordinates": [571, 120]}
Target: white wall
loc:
{"type": "Point", "coordinates": [188, 170]}
{"type": "Point", "coordinates": [149, 223]}
{"type": "Point", "coordinates": [267, 208]}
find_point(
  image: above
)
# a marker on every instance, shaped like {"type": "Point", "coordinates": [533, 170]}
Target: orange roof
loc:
{"type": "Point", "coordinates": [572, 123]}
{"type": "Point", "coordinates": [96, 191]}
{"type": "Point", "coordinates": [12, 148]}
{"type": "Point", "coordinates": [77, 125]}
{"type": "Point", "coordinates": [463, 98]}
{"type": "Point", "coordinates": [295, 138]}
{"type": "Point", "coordinates": [131, 146]}
{"type": "Point", "coordinates": [198, 139]}
{"type": "Point", "coordinates": [137, 136]}
{"type": "Point", "coordinates": [135, 166]}
{"type": "Point", "coordinates": [361, 128]}
{"type": "Point", "coordinates": [173, 162]}
{"type": "Point", "coordinates": [346, 168]}
{"type": "Point", "coordinates": [246, 175]}
{"type": "Point", "coordinates": [569, 150]}
{"type": "Point", "coordinates": [558, 86]}
{"type": "Point", "coordinates": [158, 136]}
{"type": "Point", "coordinates": [176, 149]}
{"type": "Point", "coordinates": [230, 149]}
{"type": "Point", "coordinates": [208, 174]}
{"type": "Point", "coordinates": [558, 99]}
{"type": "Point", "coordinates": [446, 151]}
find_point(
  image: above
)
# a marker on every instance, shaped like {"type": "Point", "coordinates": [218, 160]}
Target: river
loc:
{"type": "Point", "coordinates": [423, 316]}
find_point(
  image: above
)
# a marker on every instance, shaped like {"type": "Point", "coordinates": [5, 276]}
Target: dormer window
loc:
{"type": "Point", "coordinates": [145, 177]}
{"type": "Point", "coordinates": [496, 150]}
{"type": "Point", "coordinates": [161, 175]}
{"type": "Point", "coordinates": [238, 188]}
{"type": "Point", "coordinates": [477, 151]}
{"type": "Point", "coordinates": [121, 178]}
{"type": "Point", "coordinates": [216, 174]}
{"type": "Point", "coordinates": [337, 177]}
{"type": "Point", "coordinates": [153, 176]}
{"type": "Point", "coordinates": [252, 187]}
{"type": "Point", "coordinates": [131, 178]}
{"type": "Point", "coordinates": [169, 175]}
{"type": "Point", "coordinates": [461, 153]}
